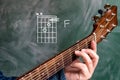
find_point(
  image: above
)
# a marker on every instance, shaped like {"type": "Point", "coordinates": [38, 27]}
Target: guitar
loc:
{"type": "Point", "coordinates": [102, 26]}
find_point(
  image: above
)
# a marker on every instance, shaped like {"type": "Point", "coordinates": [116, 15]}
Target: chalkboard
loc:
{"type": "Point", "coordinates": [19, 50]}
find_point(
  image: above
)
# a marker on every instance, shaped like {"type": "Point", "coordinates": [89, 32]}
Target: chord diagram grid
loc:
{"type": "Point", "coordinates": [47, 28]}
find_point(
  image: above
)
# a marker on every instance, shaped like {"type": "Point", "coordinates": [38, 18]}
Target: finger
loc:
{"type": "Point", "coordinates": [94, 46]}
{"type": "Point", "coordinates": [73, 68]}
{"type": "Point", "coordinates": [82, 68]}
{"type": "Point", "coordinates": [86, 59]}
{"type": "Point", "coordinates": [72, 76]}
{"type": "Point", "coordinates": [94, 57]}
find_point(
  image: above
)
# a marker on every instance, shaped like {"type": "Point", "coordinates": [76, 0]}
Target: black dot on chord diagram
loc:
{"type": "Point", "coordinates": [44, 30]}
{"type": "Point", "coordinates": [48, 24]}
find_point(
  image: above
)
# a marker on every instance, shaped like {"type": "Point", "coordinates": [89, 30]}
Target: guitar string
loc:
{"type": "Point", "coordinates": [50, 64]}
{"type": "Point", "coordinates": [42, 78]}
{"type": "Point", "coordinates": [60, 68]}
{"type": "Point", "coordinates": [67, 55]}
{"type": "Point", "coordinates": [100, 31]}
{"type": "Point", "coordinates": [75, 47]}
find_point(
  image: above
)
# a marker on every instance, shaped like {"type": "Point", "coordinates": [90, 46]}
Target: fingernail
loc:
{"type": "Point", "coordinates": [76, 52]}
{"type": "Point", "coordinates": [83, 50]}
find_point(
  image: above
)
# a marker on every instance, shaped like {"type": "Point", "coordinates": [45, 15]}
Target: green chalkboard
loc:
{"type": "Point", "coordinates": [19, 50]}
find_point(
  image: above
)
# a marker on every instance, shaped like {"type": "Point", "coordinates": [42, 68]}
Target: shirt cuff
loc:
{"type": "Point", "coordinates": [2, 77]}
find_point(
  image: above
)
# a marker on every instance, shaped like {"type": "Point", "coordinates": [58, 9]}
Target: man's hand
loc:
{"type": "Point", "coordinates": [83, 70]}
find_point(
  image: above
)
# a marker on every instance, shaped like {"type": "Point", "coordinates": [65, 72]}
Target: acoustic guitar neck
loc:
{"type": "Point", "coordinates": [102, 26]}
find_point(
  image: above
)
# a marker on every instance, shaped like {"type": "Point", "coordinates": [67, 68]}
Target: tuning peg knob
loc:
{"type": "Point", "coordinates": [107, 6]}
{"type": "Point", "coordinates": [114, 25]}
{"type": "Point", "coordinates": [108, 30]}
{"type": "Point", "coordinates": [103, 37]}
{"type": "Point", "coordinates": [95, 18]}
{"type": "Point", "coordinates": [100, 11]}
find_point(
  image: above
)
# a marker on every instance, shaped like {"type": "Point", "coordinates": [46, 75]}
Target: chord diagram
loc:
{"type": "Point", "coordinates": [46, 28]}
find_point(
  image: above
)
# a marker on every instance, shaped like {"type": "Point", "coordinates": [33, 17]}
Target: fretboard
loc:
{"type": "Point", "coordinates": [52, 66]}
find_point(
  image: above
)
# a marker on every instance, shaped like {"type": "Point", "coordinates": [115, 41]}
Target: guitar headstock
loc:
{"type": "Point", "coordinates": [104, 24]}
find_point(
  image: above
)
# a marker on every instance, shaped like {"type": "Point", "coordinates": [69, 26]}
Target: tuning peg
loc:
{"type": "Point", "coordinates": [114, 25]}
{"type": "Point", "coordinates": [108, 20]}
{"type": "Point", "coordinates": [100, 11]}
{"type": "Point", "coordinates": [108, 31]}
{"type": "Point", "coordinates": [103, 37]}
{"type": "Point", "coordinates": [95, 18]}
{"type": "Point", "coordinates": [107, 6]}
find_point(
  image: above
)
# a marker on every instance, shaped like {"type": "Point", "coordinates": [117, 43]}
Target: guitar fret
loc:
{"type": "Point", "coordinates": [86, 43]}
{"type": "Point", "coordinates": [70, 54]}
{"type": "Point", "coordinates": [63, 63]}
{"type": "Point", "coordinates": [81, 44]}
{"type": "Point", "coordinates": [43, 73]}
{"type": "Point", "coordinates": [59, 64]}
{"type": "Point", "coordinates": [78, 47]}
{"type": "Point", "coordinates": [36, 74]}
{"type": "Point", "coordinates": [22, 78]}
{"type": "Point", "coordinates": [47, 70]}
{"type": "Point", "coordinates": [38, 77]}
{"type": "Point", "coordinates": [75, 46]}
{"type": "Point", "coordinates": [25, 77]}
{"type": "Point", "coordinates": [30, 76]}
{"type": "Point", "coordinates": [72, 49]}
{"type": "Point", "coordinates": [67, 58]}
{"type": "Point", "coordinates": [69, 50]}
{"type": "Point", "coordinates": [51, 67]}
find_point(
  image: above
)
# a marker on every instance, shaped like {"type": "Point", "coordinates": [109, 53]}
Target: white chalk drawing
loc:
{"type": "Point", "coordinates": [46, 28]}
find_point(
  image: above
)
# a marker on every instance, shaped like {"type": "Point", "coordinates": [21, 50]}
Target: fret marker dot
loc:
{"type": "Point", "coordinates": [48, 24]}
{"type": "Point", "coordinates": [58, 63]}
